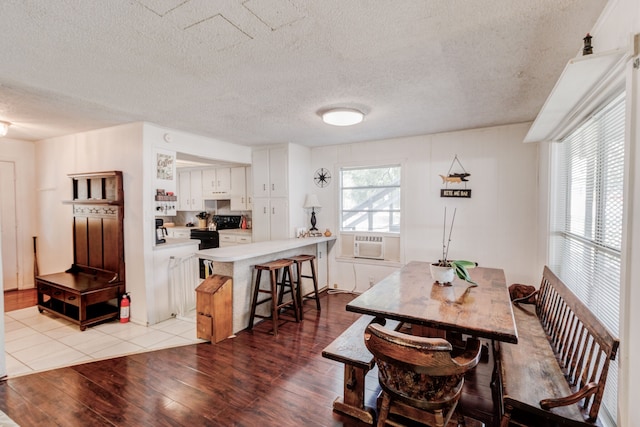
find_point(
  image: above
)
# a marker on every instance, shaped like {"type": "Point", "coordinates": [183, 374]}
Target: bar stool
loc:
{"type": "Point", "coordinates": [299, 260]}
{"type": "Point", "coordinates": [274, 268]}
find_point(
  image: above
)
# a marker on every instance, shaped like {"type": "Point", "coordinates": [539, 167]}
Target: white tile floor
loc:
{"type": "Point", "coordinates": [37, 342]}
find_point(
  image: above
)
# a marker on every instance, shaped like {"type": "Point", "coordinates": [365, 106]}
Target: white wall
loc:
{"type": "Point", "coordinates": [115, 148]}
{"type": "Point", "coordinates": [497, 227]}
{"type": "Point", "coordinates": [22, 154]}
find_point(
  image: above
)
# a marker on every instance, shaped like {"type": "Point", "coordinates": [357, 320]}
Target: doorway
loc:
{"type": "Point", "coordinates": [9, 225]}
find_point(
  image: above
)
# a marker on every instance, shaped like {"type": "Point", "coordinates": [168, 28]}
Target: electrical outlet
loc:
{"type": "Point", "coordinates": [335, 286]}
{"type": "Point", "coordinates": [371, 282]}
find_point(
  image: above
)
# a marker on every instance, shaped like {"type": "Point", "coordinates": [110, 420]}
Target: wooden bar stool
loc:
{"type": "Point", "coordinates": [298, 260]}
{"type": "Point", "coordinates": [274, 267]}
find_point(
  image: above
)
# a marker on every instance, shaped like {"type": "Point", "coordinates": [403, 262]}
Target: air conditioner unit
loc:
{"type": "Point", "coordinates": [371, 247]}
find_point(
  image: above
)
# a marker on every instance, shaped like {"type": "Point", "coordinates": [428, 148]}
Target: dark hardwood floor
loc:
{"type": "Point", "coordinates": [254, 379]}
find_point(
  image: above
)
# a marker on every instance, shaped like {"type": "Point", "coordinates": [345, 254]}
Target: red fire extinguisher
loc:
{"type": "Point", "coordinates": [124, 308]}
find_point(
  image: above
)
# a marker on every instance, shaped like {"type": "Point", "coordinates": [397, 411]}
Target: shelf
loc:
{"type": "Point", "coordinates": [581, 78]}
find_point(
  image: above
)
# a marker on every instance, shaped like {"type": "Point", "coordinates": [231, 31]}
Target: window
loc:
{"type": "Point", "coordinates": [586, 223]}
{"type": "Point", "coordinates": [370, 199]}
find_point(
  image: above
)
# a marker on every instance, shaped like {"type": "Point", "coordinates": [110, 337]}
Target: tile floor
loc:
{"type": "Point", "coordinates": [37, 342]}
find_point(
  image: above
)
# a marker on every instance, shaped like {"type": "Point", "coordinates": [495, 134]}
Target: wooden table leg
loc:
{"type": "Point", "coordinates": [352, 402]}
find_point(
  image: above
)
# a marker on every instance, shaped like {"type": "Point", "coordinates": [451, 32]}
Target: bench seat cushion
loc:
{"type": "Point", "coordinates": [530, 371]}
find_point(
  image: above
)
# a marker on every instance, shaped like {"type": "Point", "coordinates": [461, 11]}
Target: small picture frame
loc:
{"type": "Point", "coordinates": [165, 166]}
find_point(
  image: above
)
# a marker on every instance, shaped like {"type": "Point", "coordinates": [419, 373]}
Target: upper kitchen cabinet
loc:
{"type": "Point", "coordinates": [216, 183]}
{"type": "Point", "coordinates": [241, 192]}
{"type": "Point", "coordinates": [270, 172]}
{"type": "Point", "coordinates": [190, 191]}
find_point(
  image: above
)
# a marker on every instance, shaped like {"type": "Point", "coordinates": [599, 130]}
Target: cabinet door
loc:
{"type": "Point", "coordinates": [279, 220]}
{"type": "Point", "coordinates": [184, 191]}
{"type": "Point", "coordinates": [260, 172]}
{"type": "Point", "coordinates": [261, 218]}
{"type": "Point", "coordinates": [208, 183]}
{"type": "Point", "coordinates": [322, 273]}
{"type": "Point", "coordinates": [238, 189]}
{"type": "Point", "coordinates": [223, 180]}
{"type": "Point", "coordinates": [278, 172]}
{"type": "Point", "coordinates": [196, 191]}
{"type": "Point", "coordinates": [249, 187]}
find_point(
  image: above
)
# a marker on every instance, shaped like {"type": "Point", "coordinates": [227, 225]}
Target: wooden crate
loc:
{"type": "Point", "coordinates": [214, 308]}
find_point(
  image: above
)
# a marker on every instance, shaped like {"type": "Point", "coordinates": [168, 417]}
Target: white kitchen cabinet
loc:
{"type": "Point", "coordinates": [270, 172]}
{"type": "Point", "coordinates": [179, 233]}
{"type": "Point", "coordinates": [322, 265]}
{"type": "Point", "coordinates": [231, 239]}
{"type": "Point", "coordinates": [270, 219]}
{"type": "Point", "coordinates": [216, 183]}
{"type": "Point", "coordinates": [240, 197]}
{"type": "Point", "coordinates": [190, 191]}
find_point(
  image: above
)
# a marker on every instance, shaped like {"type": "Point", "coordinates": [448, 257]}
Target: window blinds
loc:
{"type": "Point", "coordinates": [586, 217]}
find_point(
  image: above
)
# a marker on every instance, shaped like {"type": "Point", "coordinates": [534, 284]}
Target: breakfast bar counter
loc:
{"type": "Point", "coordinates": [238, 262]}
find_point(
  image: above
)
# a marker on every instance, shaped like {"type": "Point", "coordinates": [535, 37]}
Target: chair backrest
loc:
{"type": "Point", "coordinates": [419, 370]}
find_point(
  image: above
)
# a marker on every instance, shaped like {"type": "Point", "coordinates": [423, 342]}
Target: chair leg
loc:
{"type": "Point", "coordinates": [315, 284]}
{"type": "Point", "coordinates": [439, 418]}
{"type": "Point", "coordinates": [384, 409]}
{"type": "Point", "coordinates": [274, 301]}
{"type": "Point", "coordinates": [254, 301]}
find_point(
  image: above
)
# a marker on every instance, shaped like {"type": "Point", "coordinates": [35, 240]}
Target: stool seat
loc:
{"type": "Point", "coordinates": [299, 260]}
{"type": "Point", "coordinates": [274, 268]}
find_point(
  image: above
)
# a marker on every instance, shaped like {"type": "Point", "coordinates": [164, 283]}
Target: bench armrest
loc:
{"type": "Point", "coordinates": [585, 391]}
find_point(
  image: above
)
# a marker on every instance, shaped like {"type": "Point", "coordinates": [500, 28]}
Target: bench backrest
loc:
{"type": "Point", "coordinates": [582, 344]}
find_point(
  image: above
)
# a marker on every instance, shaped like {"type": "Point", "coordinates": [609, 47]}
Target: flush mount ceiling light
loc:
{"type": "Point", "coordinates": [342, 116]}
{"type": "Point", "coordinates": [4, 127]}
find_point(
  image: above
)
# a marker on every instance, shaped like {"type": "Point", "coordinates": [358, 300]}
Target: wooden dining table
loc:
{"type": "Point", "coordinates": [410, 295]}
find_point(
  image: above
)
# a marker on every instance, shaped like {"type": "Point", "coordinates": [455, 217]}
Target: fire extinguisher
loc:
{"type": "Point", "coordinates": [124, 308]}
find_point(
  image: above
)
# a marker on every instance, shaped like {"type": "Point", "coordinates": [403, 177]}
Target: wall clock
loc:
{"type": "Point", "coordinates": [322, 177]}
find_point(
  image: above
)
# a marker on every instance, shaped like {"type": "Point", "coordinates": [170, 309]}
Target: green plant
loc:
{"type": "Point", "coordinates": [460, 266]}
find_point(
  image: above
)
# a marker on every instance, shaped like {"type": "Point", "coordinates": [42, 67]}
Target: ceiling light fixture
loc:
{"type": "Point", "coordinates": [342, 116]}
{"type": "Point", "coordinates": [4, 127]}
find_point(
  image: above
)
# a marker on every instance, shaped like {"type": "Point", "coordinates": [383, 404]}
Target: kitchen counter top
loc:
{"type": "Point", "coordinates": [254, 250]}
{"type": "Point", "coordinates": [174, 242]}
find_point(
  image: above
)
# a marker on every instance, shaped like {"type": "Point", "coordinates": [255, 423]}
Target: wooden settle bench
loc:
{"type": "Point", "coordinates": [558, 370]}
{"type": "Point", "coordinates": [349, 348]}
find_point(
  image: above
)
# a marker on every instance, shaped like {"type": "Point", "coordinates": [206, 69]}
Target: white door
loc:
{"type": "Point", "coordinates": [8, 228]}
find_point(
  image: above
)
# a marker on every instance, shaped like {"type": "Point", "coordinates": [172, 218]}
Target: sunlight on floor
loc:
{"type": "Point", "coordinates": [37, 342]}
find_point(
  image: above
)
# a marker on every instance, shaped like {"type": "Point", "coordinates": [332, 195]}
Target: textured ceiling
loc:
{"type": "Point", "coordinates": [259, 71]}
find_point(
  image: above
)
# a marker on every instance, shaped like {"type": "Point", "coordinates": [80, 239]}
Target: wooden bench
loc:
{"type": "Point", "coordinates": [349, 348]}
{"type": "Point", "coordinates": [558, 370]}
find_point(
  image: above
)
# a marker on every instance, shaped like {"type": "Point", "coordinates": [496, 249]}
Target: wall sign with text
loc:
{"type": "Point", "coordinates": [455, 181]}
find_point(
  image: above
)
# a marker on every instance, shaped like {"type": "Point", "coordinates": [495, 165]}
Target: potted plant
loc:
{"type": "Point", "coordinates": [443, 271]}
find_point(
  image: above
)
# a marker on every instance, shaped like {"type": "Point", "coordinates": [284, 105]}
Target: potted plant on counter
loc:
{"type": "Point", "coordinates": [443, 271]}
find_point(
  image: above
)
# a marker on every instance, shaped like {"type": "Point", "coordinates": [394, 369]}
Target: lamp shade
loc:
{"type": "Point", "coordinates": [4, 127]}
{"type": "Point", "coordinates": [311, 202]}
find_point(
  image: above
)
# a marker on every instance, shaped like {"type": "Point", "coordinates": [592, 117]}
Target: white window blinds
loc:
{"type": "Point", "coordinates": [586, 220]}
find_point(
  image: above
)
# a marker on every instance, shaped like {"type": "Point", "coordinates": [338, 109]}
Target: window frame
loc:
{"type": "Point", "coordinates": [365, 166]}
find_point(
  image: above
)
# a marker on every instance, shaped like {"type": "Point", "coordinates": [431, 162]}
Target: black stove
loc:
{"type": "Point", "coordinates": [211, 239]}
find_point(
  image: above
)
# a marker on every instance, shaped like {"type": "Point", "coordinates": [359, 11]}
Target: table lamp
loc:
{"type": "Point", "coordinates": [312, 203]}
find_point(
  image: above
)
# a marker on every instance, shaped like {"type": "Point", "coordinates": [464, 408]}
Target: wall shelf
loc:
{"type": "Point", "coordinates": [582, 77]}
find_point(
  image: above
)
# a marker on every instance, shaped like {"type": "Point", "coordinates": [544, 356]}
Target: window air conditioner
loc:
{"type": "Point", "coordinates": [371, 247]}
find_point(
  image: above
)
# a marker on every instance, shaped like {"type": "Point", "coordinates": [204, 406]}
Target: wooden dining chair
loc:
{"type": "Point", "coordinates": [418, 375]}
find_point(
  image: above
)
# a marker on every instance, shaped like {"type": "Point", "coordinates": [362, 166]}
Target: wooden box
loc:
{"type": "Point", "coordinates": [214, 308]}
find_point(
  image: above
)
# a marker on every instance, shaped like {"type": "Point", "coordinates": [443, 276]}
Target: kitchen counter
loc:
{"type": "Point", "coordinates": [174, 242]}
{"type": "Point", "coordinates": [238, 262]}
{"type": "Point", "coordinates": [255, 250]}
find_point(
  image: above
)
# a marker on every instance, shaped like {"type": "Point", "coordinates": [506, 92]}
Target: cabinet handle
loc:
{"type": "Point", "coordinates": [71, 298]}
{"type": "Point", "coordinates": [264, 187]}
{"type": "Point", "coordinates": [320, 255]}
{"type": "Point", "coordinates": [273, 211]}
{"type": "Point", "coordinates": [241, 199]}
{"type": "Point", "coordinates": [264, 210]}
{"type": "Point", "coordinates": [273, 187]}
